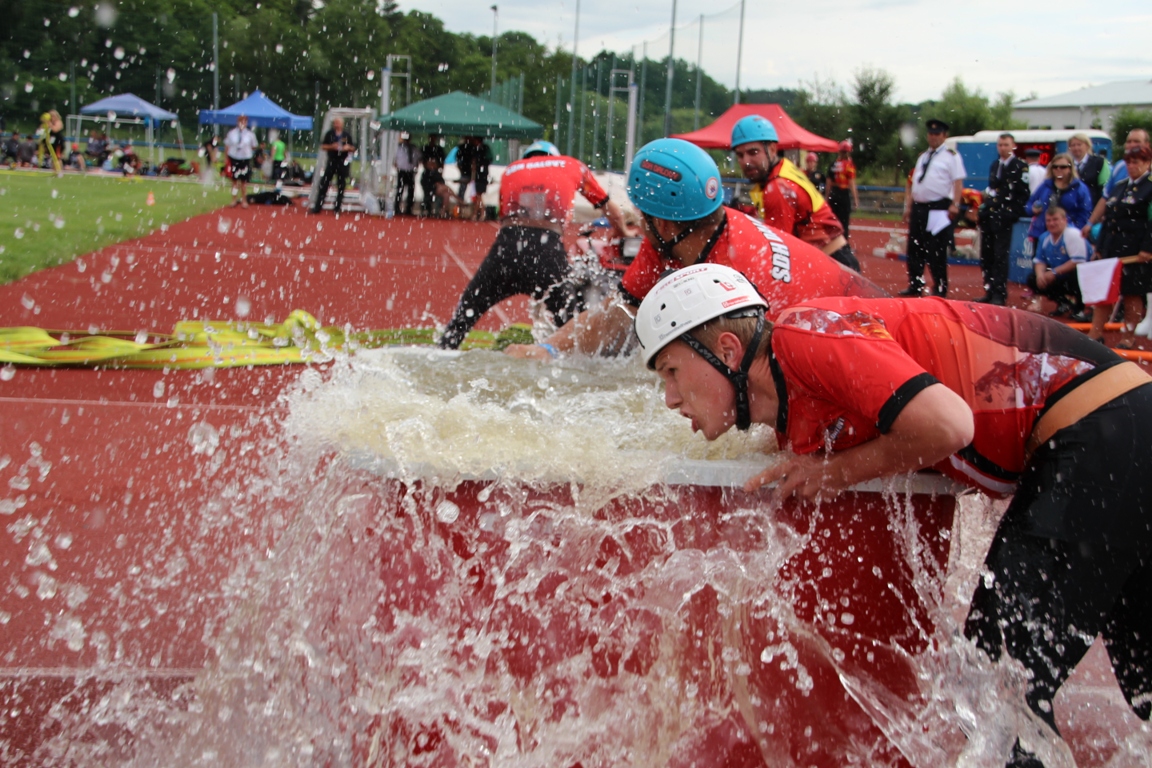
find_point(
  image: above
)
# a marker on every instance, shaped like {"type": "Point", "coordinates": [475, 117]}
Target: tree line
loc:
{"type": "Point", "coordinates": [309, 56]}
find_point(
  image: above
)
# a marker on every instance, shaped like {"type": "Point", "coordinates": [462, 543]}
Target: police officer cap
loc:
{"type": "Point", "coordinates": [1032, 152]}
{"type": "Point", "coordinates": [936, 126]}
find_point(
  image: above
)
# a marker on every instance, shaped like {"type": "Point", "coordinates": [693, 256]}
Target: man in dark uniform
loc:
{"type": "Point", "coordinates": [432, 155]}
{"type": "Point", "coordinates": [931, 204]}
{"type": "Point", "coordinates": [1003, 204]}
{"type": "Point", "coordinates": [339, 147]}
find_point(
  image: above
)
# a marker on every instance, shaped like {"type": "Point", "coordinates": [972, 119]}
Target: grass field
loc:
{"type": "Point", "coordinates": [46, 221]}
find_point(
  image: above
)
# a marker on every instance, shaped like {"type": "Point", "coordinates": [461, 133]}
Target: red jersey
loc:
{"type": "Point", "coordinates": [543, 188]}
{"type": "Point", "coordinates": [842, 173]}
{"type": "Point", "coordinates": [849, 366]}
{"type": "Point", "coordinates": [789, 202]}
{"type": "Point", "coordinates": [783, 268]}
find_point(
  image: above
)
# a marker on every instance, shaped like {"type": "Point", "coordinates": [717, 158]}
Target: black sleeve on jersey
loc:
{"type": "Point", "coordinates": [901, 397]}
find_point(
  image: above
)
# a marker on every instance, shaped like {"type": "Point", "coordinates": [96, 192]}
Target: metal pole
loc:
{"type": "Point", "coordinates": [583, 106]}
{"type": "Point", "coordinates": [572, 97]}
{"type": "Point", "coordinates": [739, 53]}
{"type": "Point", "coordinates": [495, 14]}
{"type": "Point", "coordinates": [699, 59]}
{"type": "Point", "coordinates": [520, 99]}
{"type": "Point", "coordinates": [215, 71]}
{"type": "Point", "coordinates": [643, 83]}
{"type": "Point", "coordinates": [611, 114]}
{"type": "Point", "coordinates": [596, 114]}
{"type": "Point", "coordinates": [668, 86]}
{"type": "Point", "coordinates": [72, 101]}
{"type": "Point", "coordinates": [630, 137]}
{"type": "Point", "coordinates": [556, 125]}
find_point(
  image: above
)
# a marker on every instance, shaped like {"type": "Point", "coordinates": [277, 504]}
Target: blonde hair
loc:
{"type": "Point", "coordinates": [1084, 138]}
{"type": "Point", "coordinates": [1066, 158]}
{"type": "Point", "coordinates": [744, 328]}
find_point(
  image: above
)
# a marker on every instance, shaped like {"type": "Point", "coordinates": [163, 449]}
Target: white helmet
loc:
{"type": "Point", "coordinates": [690, 297]}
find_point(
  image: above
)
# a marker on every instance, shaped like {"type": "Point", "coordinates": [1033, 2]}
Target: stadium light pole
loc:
{"type": "Point", "coordinates": [671, 60]}
{"type": "Point", "coordinates": [572, 97]}
{"type": "Point", "coordinates": [739, 53]}
{"type": "Point", "coordinates": [495, 14]}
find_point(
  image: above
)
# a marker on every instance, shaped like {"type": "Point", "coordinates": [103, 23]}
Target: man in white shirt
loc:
{"type": "Point", "coordinates": [241, 145]}
{"type": "Point", "coordinates": [931, 204]}
{"type": "Point", "coordinates": [1036, 172]}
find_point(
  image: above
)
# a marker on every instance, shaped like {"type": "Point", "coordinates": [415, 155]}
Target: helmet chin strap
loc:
{"type": "Point", "coordinates": [739, 377]}
{"type": "Point", "coordinates": [666, 246]}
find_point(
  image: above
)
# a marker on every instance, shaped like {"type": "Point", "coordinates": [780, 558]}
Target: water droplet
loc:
{"type": "Point", "coordinates": [171, 74]}
{"type": "Point", "coordinates": [7, 372]}
{"type": "Point", "coordinates": [118, 53]}
{"type": "Point", "coordinates": [204, 438]}
{"type": "Point", "coordinates": [847, 618]}
{"type": "Point", "coordinates": [243, 306]}
{"type": "Point", "coordinates": [447, 512]}
{"type": "Point", "coordinates": [18, 234]}
{"type": "Point", "coordinates": [279, 48]}
{"type": "Point", "coordinates": [73, 12]}
{"type": "Point", "coordinates": [158, 389]}
{"type": "Point", "coordinates": [58, 223]}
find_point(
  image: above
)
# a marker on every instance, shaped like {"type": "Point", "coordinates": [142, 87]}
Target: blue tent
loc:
{"type": "Point", "coordinates": [262, 112]}
{"type": "Point", "coordinates": [127, 105]}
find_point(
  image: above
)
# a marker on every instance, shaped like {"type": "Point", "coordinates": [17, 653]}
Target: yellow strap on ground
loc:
{"type": "Point", "coordinates": [221, 344]}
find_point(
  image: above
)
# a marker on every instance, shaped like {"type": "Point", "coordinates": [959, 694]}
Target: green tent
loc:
{"type": "Point", "coordinates": [462, 114]}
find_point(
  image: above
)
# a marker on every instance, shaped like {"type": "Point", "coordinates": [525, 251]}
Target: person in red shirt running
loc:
{"type": "Point", "coordinates": [1001, 399]}
{"type": "Point", "coordinates": [842, 194]}
{"type": "Point", "coordinates": [782, 194]}
{"type": "Point", "coordinates": [528, 257]}
{"type": "Point", "coordinates": [676, 187]}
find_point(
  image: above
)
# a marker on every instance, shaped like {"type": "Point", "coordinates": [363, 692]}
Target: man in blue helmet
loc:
{"type": "Point", "coordinates": [536, 198]}
{"type": "Point", "coordinates": [676, 187]}
{"type": "Point", "coordinates": [783, 195]}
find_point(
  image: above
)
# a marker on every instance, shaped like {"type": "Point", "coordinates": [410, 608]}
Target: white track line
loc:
{"type": "Point", "coordinates": [463, 268]}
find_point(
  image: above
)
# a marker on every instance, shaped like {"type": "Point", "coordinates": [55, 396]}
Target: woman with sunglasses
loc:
{"type": "Point", "coordinates": [1062, 187]}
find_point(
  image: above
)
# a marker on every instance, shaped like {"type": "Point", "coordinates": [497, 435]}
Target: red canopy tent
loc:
{"type": "Point", "coordinates": [792, 136]}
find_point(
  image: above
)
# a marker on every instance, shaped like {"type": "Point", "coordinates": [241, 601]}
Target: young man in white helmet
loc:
{"type": "Point", "coordinates": [1005, 400]}
{"type": "Point", "coordinates": [537, 194]}
{"type": "Point", "coordinates": [676, 187]}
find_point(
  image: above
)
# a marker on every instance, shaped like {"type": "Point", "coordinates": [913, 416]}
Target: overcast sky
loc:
{"type": "Point", "coordinates": [1043, 47]}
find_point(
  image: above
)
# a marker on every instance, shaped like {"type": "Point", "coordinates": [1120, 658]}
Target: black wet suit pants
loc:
{"type": "Point", "coordinates": [523, 260]}
{"type": "Point", "coordinates": [1072, 558]}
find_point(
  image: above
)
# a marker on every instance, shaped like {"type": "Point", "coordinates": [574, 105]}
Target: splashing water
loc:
{"type": "Point", "coordinates": [463, 559]}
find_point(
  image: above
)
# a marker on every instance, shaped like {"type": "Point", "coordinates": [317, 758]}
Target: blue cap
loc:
{"type": "Point", "coordinates": [753, 128]}
{"type": "Point", "coordinates": [540, 147]}
{"type": "Point", "coordinates": [674, 180]}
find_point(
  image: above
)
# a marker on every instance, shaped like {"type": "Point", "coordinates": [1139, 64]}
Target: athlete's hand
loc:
{"type": "Point", "coordinates": [804, 476]}
{"type": "Point", "coordinates": [528, 352]}
{"type": "Point", "coordinates": [907, 216]}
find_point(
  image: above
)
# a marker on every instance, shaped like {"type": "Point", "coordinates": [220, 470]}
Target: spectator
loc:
{"type": "Point", "coordinates": [931, 204]}
{"type": "Point", "coordinates": [1061, 187]}
{"type": "Point", "coordinates": [406, 162]}
{"type": "Point", "coordinates": [782, 195]}
{"type": "Point", "coordinates": [1005, 199]}
{"type": "Point", "coordinates": [481, 160]}
{"type": "Point", "coordinates": [340, 148]}
{"type": "Point", "coordinates": [76, 158]}
{"type": "Point", "coordinates": [842, 194]}
{"type": "Point", "coordinates": [240, 144]}
{"type": "Point", "coordinates": [26, 153]}
{"type": "Point", "coordinates": [1036, 172]}
{"type": "Point", "coordinates": [433, 175]}
{"type": "Point", "coordinates": [1092, 169]}
{"type": "Point", "coordinates": [97, 149]}
{"type": "Point", "coordinates": [56, 134]}
{"type": "Point", "coordinates": [279, 155]}
{"type": "Point", "coordinates": [812, 171]}
{"type": "Point", "coordinates": [1137, 137]}
{"type": "Point", "coordinates": [1127, 231]}
{"type": "Point", "coordinates": [129, 161]}
{"type": "Point", "coordinates": [12, 149]}
{"type": "Point", "coordinates": [1054, 267]}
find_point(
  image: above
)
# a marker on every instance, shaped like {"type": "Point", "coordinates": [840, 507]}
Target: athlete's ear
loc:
{"type": "Point", "coordinates": [729, 349]}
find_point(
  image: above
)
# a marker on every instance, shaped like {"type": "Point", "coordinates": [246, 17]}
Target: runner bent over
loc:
{"type": "Point", "coordinates": [676, 186]}
{"type": "Point", "coordinates": [783, 195]}
{"type": "Point", "coordinates": [536, 197]}
{"type": "Point", "coordinates": [1000, 399]}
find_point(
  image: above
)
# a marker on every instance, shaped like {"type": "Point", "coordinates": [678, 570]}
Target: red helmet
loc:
{"type": "Point", "coordinates": [846, 145]}
{"type": "Point", "coordinates": [812, 156]}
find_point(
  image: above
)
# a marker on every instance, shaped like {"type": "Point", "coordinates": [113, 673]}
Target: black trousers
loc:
{"type": "Point", "coordinates": [523, 260]}
{"type": "Point", "coordinates": [995, 248]}
{"type": "Point", "coordinates": [1064, 289]}
{"type": "Point", "coordinates": [846, 256]}
{"type": "Point", "coordinates": [405, 182]}
{"type": "Point", "coordinates": [1072, 559]}
{"type": "Point", "coordinates": [840, 201]}
{"type": "Point", "coordinates": [926, 249]}
{"type": "Point", "coordinates": [338, 169]}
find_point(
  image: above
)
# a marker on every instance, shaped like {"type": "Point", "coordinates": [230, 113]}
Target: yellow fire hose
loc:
{"type": "Point", "coordinates": [221, 344]}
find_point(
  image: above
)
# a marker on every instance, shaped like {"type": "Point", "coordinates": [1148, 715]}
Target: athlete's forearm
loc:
{"type": "Point", "coordinates": [601, 330]}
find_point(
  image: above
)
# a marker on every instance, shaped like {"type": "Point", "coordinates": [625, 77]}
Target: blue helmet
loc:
{"type": "Point", "coordinates": [674, 180]}
{"type": "Point", "coordinates": [753, 128]}
{"type": "Point", "coordinates": [540, 147]}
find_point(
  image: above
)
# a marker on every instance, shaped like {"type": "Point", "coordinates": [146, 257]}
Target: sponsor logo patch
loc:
{"type": "Point", "coordinates": [712, 187]}
{"type": "Point", "coordinates": [660, 170]}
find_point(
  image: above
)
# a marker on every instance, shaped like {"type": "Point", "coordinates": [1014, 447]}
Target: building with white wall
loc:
{"type": "Point", "coordinates": [1091, 107]}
